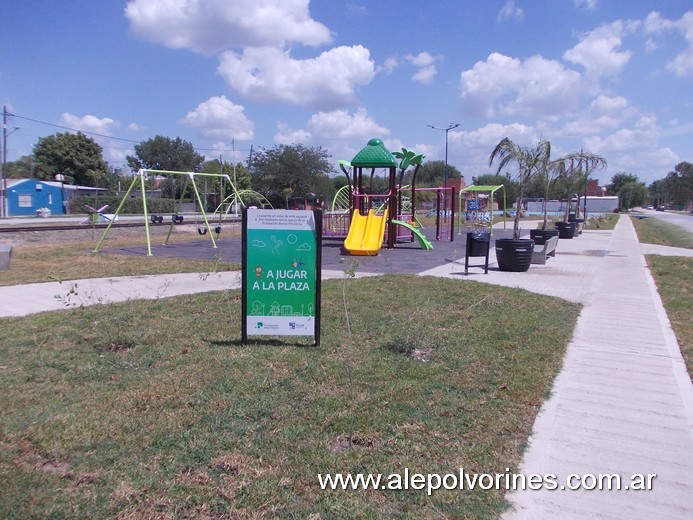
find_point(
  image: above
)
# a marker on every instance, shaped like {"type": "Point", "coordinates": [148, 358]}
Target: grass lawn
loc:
{"type": "Point", "coordinates": [655, 231]}
{"type": "Point", "coordinates": [608, 221]}
{"type": "Point", "coordinates": [153, 408]}
{"type": "Point", "coordinates": [44, 262]}
{"type": "Point", "coordinates": [674, 278]}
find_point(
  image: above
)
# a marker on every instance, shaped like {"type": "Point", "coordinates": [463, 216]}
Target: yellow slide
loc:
{"type": "Point", "coordinates": [366, 233]}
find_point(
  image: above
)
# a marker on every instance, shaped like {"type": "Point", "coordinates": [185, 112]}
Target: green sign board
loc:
{"type": "Point", "coordinates": [281, 273]}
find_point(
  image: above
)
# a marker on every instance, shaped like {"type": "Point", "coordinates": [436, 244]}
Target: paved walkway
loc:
{"type": "Point", "coordinates": [22, 300]}
{"type": "Point", "coordinates": [622, 404]}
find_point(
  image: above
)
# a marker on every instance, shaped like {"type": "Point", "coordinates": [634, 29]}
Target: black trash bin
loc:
{"type": "Point", "coordinates": [478, 244]}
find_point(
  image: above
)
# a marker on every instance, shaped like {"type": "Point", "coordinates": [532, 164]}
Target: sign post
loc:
{"type": "Point", "coordinates": [281, 273]}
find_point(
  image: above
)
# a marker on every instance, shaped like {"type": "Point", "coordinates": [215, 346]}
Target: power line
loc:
{"type": "Point", "coordinates": [72, 129]}
{"type": "Point", "coordinates": [116, 138]}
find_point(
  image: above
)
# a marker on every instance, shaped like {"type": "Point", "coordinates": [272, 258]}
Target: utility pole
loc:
{"type": "Point", "coordinates": [3, 176]}
{"type": "Point", "coordinates": [3, 170]}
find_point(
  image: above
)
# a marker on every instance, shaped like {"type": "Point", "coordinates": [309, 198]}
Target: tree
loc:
{"type": "Point", "coordinates": [632, 194]}
{"type": "Point", "coordinates": [618, 181]}
{"type": "Point", "coordinates": [164, 153]}
{"type": "Point", "coordinates": [432, 174]}
{"type": "Point", "coordinates": [492, 179]}
{"type": "Point", "coordinates": [78, 157]}
{"type": "Point", "coordinates": [285, 172]}
{"type": "Point", "coordinates": [22, 168]}
{"type": "Point", "coordinates": [683, 175]}
{"type": "Point", "coordinates": [529, 161]}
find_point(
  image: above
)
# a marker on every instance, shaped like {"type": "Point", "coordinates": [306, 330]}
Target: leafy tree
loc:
{"type": "Point", "coordinates": [432, 174]}
{"type": "Point", "coordinates": [492, 179]}
{"type": "Point", "coordinates": [22, 168]}
{"type": "Point", "coordinates": [632, 194]}
{"type": "Point", "coordinates": [164, 153]}
{"type": "Point", "coordinates": [676, 188]}
{"type": "Point", "coordinates": [618, 181]}
{"type": "Point", "coordinates": [238, 173]}
{"type": "Point", "coordinates": [529, 161]}
{"type": "Point", "coordinates": [76, 156]}
{"type": "Point", "coordinates": [284, 172]}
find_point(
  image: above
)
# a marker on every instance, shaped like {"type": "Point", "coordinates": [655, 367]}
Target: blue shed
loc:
{"type": "Point", "coordinates": [26, 196]}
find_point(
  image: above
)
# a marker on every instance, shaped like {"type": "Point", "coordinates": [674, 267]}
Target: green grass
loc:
{"type": "Point", "coordinates": [606, 222]}
{"type": "Point", "coordinates": [70, 261]}
{"type": "Point", "coordinates": [154, 409]}
{"type": "Point", "coordinates": [655, 231]}
{"type": "Point", "coordinates": [674, 278]}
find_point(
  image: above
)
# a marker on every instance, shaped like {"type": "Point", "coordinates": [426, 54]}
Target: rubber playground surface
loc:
{"type": "Point", "coordinates": [405, 258]}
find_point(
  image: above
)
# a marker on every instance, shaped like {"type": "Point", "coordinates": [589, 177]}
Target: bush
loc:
{"type": "Point", "coordinates": [132, 205]}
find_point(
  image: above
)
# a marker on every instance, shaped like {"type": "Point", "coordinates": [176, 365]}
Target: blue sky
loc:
{"type": "Point", "coordinates": [612, 77]}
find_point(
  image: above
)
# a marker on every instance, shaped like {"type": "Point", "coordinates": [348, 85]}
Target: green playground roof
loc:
{"type": "Point", "coordinates": [482, 188]}
{"type": "Point", "coordinates": [374, 155]}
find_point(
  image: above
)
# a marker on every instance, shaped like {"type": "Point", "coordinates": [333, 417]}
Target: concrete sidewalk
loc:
{"type": "Point", "coordinates": [622, 404]}
{"type": "Point", "coordinates": [22, 300]}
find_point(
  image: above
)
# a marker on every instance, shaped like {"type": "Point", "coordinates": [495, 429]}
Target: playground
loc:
{"type": "Point", "coordinates": [362, 221]}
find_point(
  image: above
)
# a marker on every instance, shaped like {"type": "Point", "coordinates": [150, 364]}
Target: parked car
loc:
{"type": "Point", "coordinates": [660, 208]}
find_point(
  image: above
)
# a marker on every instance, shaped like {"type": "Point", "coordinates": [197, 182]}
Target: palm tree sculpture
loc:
{"type": "Point", "coordinates": [529, 161]}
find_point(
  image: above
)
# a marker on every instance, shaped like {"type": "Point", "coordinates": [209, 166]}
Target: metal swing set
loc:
{"type": "Point", "coordinates": [176, 217]}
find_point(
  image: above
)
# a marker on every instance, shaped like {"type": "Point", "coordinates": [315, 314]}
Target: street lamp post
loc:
{"type": "Point", "coordinates": [445, 169]}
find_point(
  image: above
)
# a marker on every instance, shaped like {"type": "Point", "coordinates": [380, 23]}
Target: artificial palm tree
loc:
{"type": "Point", "coordinates": [529, 161]}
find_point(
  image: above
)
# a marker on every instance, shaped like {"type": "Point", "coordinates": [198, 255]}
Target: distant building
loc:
{"type": "Point", "coordinates": [25, 197]}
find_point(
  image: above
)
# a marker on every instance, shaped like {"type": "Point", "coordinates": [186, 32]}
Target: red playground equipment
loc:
{"type": "Point", "coordinates": [385, 217]}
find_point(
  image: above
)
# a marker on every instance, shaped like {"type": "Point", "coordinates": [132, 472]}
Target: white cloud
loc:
{"type": "Point", "coordinates": [289, 136]}
{"type": "Point", "coordinates": [389, 65]}
{"type": "Point", "coordinates": [634, 149]}
{"type": "Point", "coordinates": [682, 64]}
{"type": "Point", "coordinates": [346, 126]}
{"type": "Point", "coordinates": [423, 59]}
{"type": "Point", "coordinates": [327, 81]}
{"type": "Point", "coordinates": [341, 132]}
{"type": "Point", "coordinates": [98, 129]}
{"type": "Point", "coordinates": [536, 86]}
{"type": "Point", "coordinates": [425, 75]}
{"type": "Point", "coordinates": [511, 12]}
{"type": "Point", "coordinates": [590, 5]}
{"type": "Point", "coordinates": [604, 113]}
{"type": "Point", "coordinates": [215, 25]}
{"type": "Point", "coordinates": [219, 118]}
{"type": "Point", "coordinates": [606, 104]}
{"type": "Point", "coordinates": [598, 51]}
{"type": "Point", "coordinates": [426, 64]}
{"type": "Point", "coordinates": [88, 123]}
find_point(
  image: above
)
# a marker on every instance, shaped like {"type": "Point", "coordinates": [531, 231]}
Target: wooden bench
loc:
{"type": "Point", "coordinates": [541, 253]}
{"type": "Point", "coordinates": [5, 256]}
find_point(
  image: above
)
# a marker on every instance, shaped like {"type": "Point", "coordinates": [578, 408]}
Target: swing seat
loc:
{"type": "Point", "coordinates": [217, 230]}
{"type": "Point", "coordinates": [157, 219]}
{"type": "Point", "coordinates": [177, 219]}
{"type": "Point", "coordinates": [202, 230]}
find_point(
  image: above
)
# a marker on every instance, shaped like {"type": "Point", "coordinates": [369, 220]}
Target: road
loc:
{"type": "Point", "coordinates": [680, 219]}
